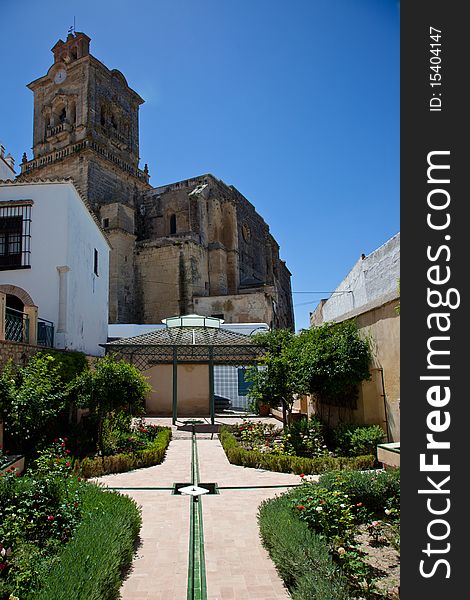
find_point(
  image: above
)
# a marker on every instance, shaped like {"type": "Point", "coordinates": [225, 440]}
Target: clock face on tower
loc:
{"type": "Point", "coordinates": [60, 76]}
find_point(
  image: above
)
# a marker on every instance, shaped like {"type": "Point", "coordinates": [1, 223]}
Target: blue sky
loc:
{"type": "Point", "coordinates": [294, 102]}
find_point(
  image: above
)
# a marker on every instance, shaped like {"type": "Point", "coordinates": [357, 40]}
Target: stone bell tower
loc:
{"type": "Point", "coordinates": [86, 126]}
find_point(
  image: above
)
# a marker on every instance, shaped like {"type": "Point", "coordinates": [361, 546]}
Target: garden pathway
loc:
{"type": "Point", "coordinates": [237, 566]}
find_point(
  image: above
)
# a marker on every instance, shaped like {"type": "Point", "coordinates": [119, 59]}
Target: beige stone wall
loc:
{"type": "Point", "coordinates": [167, 277]}
{"type": "Point", "coordinates": [160, 399]}
{"type": "Point", "coordinates": [379, 398]}
{"type": "Point", "coordinates": [382, 326]}
{"type": "Point", "coordinates": [118, 221]}
{"type": "Point", "coordinates": [192, 390]}
{"type": "Point", "coordinates": [237, 308]}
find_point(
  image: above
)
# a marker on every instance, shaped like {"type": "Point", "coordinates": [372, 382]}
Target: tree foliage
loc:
{"type": "Point", "coordinates": [328, 361]}
{"type": "Point", "coordinates": [277, 382]}
{"type": "Point", "coordinates": [30, 401]}
{"type": "Point", "coordinates": [112, 386]}
{"type": "Point", "coordinates": [334, 360]}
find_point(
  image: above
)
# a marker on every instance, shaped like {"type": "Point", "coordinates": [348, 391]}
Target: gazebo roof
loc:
{"type": "Point", "coordinates": [186, 344]}
{"type": "Point", "coordinates": [186, 336]}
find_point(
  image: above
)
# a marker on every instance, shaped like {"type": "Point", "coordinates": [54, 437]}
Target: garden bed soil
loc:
{"type": "Point", "coordinates": [385, 559]}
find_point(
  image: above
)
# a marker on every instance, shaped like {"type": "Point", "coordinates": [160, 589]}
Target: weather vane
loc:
{"type": "Point", "coordinates": [72, 27]}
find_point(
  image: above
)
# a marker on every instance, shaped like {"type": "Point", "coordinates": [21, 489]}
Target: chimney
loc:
{"type": "Point", "coordinates": [10, 161]}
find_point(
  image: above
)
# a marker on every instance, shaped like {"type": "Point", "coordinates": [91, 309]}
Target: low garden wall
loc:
{"type": "Point", "coordinates": [17, 352]}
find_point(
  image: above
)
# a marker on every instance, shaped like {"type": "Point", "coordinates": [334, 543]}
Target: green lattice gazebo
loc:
{"type": "Point", "coordinates": [189, 339]}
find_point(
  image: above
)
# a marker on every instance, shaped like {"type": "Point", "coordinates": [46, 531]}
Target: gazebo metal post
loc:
{"type": "Point", "coordinates": [175, 384]}
{"type": "Point", "coordinates": [211, 384]}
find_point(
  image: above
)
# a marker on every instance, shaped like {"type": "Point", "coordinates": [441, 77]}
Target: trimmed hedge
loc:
{"type": "Point", "coordinates": [103, 545]}
{"type": "Point", "coordinates": [153, 454]}
{"type": "Point", "coordinates": [284, 463]}
{"type": "Point", "coordinates": [301, 557]}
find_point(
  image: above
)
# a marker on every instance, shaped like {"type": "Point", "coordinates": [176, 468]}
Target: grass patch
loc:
{"type": "Point", "coordinates": [301, 557]}
{"type": "Point", "coordinates": [285, 463]}
{"type": "Point", "coordinates": [153, 454]}
{"type": "Point", "coordinates": [92, 562]}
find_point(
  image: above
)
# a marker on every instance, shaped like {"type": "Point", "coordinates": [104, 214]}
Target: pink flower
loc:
{"type": "Point", "coordinates": [50, 518]}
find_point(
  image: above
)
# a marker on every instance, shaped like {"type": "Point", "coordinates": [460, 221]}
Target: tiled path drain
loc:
{"type": "Point", "coordinates": [229, 561]}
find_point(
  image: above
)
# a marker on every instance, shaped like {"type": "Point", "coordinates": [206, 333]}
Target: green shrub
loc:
{"type": "Point", "coordinates": [328, 512]}
{"type": "Point", "coordinates": [90, 566]}
{"type": "Point", "coordinates": [301, 557]}
{"type": "Point", "coordinates": [70, 364]}
{"type": "Point", "coordinates": [116, 428]}
{"type": "Point", "coordinates": [284, 463]}
{"type": "Point", "coordinates": [305, 437]}
{"type": "Point", "coordinates": [356, 440]}
{"type": "Point", "coordinates": [36, 398]}
{"type": "Point", "coordinates": [113, 386]}
{"type": "Point", "coordinates": [375, 490]}
{"type": "Point", "coordinates": [38, 515]}
{"type": "Point", "coordinates": [152, 454]}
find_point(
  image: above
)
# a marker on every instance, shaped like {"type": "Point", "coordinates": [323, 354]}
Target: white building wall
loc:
{"type": "Point", "coordinates": [7, 163]}
{"type": "Point", "coordinates": [87, 314]}
{"type": "Point", "coordinates": [372, 277]}
{"type": "Point", "coordinates": [64, 234]}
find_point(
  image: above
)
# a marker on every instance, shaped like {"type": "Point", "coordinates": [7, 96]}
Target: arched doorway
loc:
{"type": "Point", "coordinates": [14, 303]}
{"type": "Point", "coordinates": [19, 314]}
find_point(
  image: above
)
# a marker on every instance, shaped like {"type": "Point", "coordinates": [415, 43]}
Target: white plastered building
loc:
{"type": "Point", "coordinates": [54, 267]}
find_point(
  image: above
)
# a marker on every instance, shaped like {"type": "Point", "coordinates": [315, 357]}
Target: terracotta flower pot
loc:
{"type": "Point", "coordinates": [264, 410]}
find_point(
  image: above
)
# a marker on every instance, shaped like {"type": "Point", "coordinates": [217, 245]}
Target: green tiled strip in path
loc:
{"type": "Point", "coordinates": [197, 589]}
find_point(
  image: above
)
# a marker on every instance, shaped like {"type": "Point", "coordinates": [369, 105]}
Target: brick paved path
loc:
{"type": "Point", "coordinates": [237, 566]}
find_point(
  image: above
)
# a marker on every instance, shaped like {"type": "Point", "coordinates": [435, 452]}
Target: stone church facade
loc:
{"type": "Point", "coordinates": [197, 245]}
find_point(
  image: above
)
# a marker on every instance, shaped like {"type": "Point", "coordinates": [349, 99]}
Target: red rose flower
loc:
{"type": "Point", "coordinates": [301, 507]}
